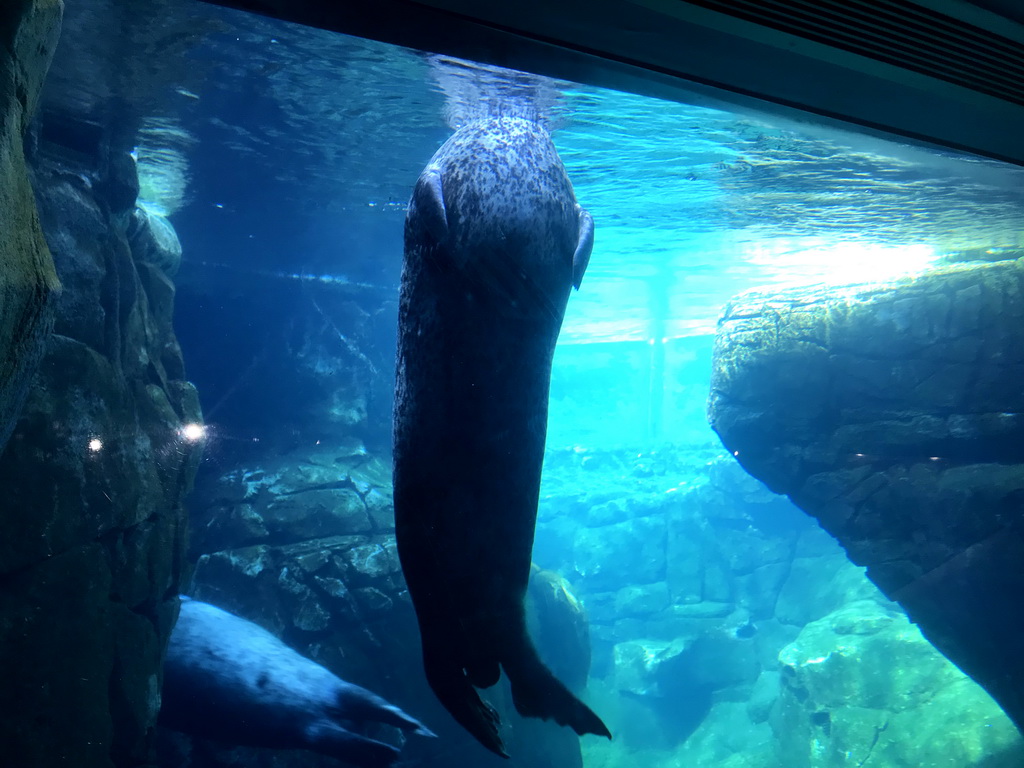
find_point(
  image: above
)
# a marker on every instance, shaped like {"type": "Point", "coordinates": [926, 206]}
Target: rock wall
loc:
{"type": "Point", "coordinates": [28, 283]}
{"type": "Point", "coordinates": [893, 415]}
{"type": "Point", "coordinates": [94, 477]}
{"type": "Point", "coordinates": [729, 628]}
{"type": "Point", "coordinates": [725, 625]}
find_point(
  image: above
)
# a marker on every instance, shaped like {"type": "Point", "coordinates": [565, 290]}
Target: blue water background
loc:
{"type": "Point", "coordinates": [285, 160]}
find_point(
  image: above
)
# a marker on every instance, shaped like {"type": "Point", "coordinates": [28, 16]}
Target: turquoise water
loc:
{"type": "Point", "coordinates": [705, 204]}
{"type": "Point", "coordinates": [725, 627]}
{"type": "Point", "coordinates": [695, 202]}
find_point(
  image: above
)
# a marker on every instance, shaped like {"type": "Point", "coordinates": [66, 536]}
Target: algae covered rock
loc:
{"type": "Point", "coordinates": [28, 281]}
{"type": "Point", "coordinates": [558, 624]}
{"type": "Point", "coordinates": [330, 491]}
{"type": "Point", "coordinates": [892, 413]}
{"type": "Point", "coordinates": [862, 687]}
{"type": "Point", "coordinates": [602, 555]}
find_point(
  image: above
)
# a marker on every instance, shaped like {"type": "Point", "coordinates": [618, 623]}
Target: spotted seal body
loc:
{"type": "Point", "coordinates": [494, 242]}
{"type": "Point", "coordinates": [228, 679]}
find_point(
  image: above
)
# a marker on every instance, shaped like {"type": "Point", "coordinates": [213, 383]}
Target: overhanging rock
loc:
{"type": "Point", "coordinates": [894, 415]}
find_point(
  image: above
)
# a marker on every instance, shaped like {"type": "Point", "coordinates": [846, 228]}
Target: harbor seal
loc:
{"type": "Point", "coordinates": [494, 242]}
{"type": "Point", "coordinates": [228, 679]}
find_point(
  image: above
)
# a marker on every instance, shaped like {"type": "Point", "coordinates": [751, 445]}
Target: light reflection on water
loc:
{"type": "Point", "coordinates": [703, 204]}
{"type": "Point", "coordinates": [692, 205]}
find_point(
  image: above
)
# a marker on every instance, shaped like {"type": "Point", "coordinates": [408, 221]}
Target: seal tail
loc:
{"type": "Point", "coordinates": [536, 692]}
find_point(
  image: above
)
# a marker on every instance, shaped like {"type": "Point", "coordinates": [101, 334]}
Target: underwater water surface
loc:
{"type": "Point", "coordinates": [723, 625]}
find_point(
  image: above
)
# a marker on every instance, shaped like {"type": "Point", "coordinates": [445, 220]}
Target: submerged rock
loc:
{"type": "Point", "coordinates": [893, 414]}
{"type": "Point", "coordinates": [558, 624]}
{"type": "Point", "coordinates": [862, 687]}
{"type": "Point", "coordinates": [154, 241]}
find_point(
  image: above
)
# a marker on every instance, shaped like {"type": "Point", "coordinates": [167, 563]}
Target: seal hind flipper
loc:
{"type": "Point", "coordinates": [584, 245]}
{"type": "Point", "coordinates": [536, 692]}
{"type": "Point", "coordinates": [459, 697]}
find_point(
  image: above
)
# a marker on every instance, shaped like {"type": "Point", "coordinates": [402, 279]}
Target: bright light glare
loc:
{"type": "Point", "coordinates": [846, 262]}
{"type": "Point", "coordinates": [95, 445]}
{"type": "Point", "coordinates": [193, 433]}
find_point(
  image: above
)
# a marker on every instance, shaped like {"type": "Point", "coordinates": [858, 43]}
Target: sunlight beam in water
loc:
{"type": "Point", "coordinates": [842, 263]}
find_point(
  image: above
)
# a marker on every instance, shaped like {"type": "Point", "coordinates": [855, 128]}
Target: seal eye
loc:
{"type": "Point", "coordinates": [262, 680]}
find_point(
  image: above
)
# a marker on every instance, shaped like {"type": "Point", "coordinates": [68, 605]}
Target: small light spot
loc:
{"type": "Point", "coordinates": [934, 458]}
{"type": "Point", "coordinates": [735, 453]}
{"type": "Point", "coordinates": [95, 445]}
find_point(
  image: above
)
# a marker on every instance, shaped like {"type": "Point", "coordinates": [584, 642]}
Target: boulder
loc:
{"type": "Point", "coordinates": [892, 414]}
{"type": "Point", "coordinates": [862, 687]}
{"type": "Point", "coordinates": [154, 241]}
{"type": "Point", "coordinates": [332, 490]}
{"type": "Point", "coordinates": [678, 681]}
{"type": "Point", "coordinates": [557, 622]}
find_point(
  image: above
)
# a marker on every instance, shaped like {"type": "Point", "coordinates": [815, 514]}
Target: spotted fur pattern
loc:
{"type": "Point", "coordinates": [494, 242]}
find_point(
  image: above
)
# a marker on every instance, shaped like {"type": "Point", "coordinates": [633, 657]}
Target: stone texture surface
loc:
{"type": "Point", "coordinates": [94, 478]}
{"type": "Point", "coordinates": [861, 687]}
{"type": "Point", "coordinates": [894, 414]}
{"type": "Point", "coordinates": [28, 282]}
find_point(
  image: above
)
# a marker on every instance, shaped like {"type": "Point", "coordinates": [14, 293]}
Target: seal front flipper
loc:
{"type": "Point", "coordinates": [360, 704]}
{"type": "Point", "coordinates": [584, 245]}
{"type": "Point", "coordinates": [427, 204]}
{"type": "Point", "coordinates": [331, 739]}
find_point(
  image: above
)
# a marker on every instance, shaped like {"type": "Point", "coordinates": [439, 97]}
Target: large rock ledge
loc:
{"type": "Point", "coordinates": [28, 282]}
{"type": "Point", "coordinates": [94, 474]}
{"type": "Point", "coordinates": [894, 414]}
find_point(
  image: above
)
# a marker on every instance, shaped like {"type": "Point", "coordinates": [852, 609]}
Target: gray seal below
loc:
{"type": "Point", "coordinates": [228, 679]}
{"type": "Point", "coordinates": [494, 243]}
